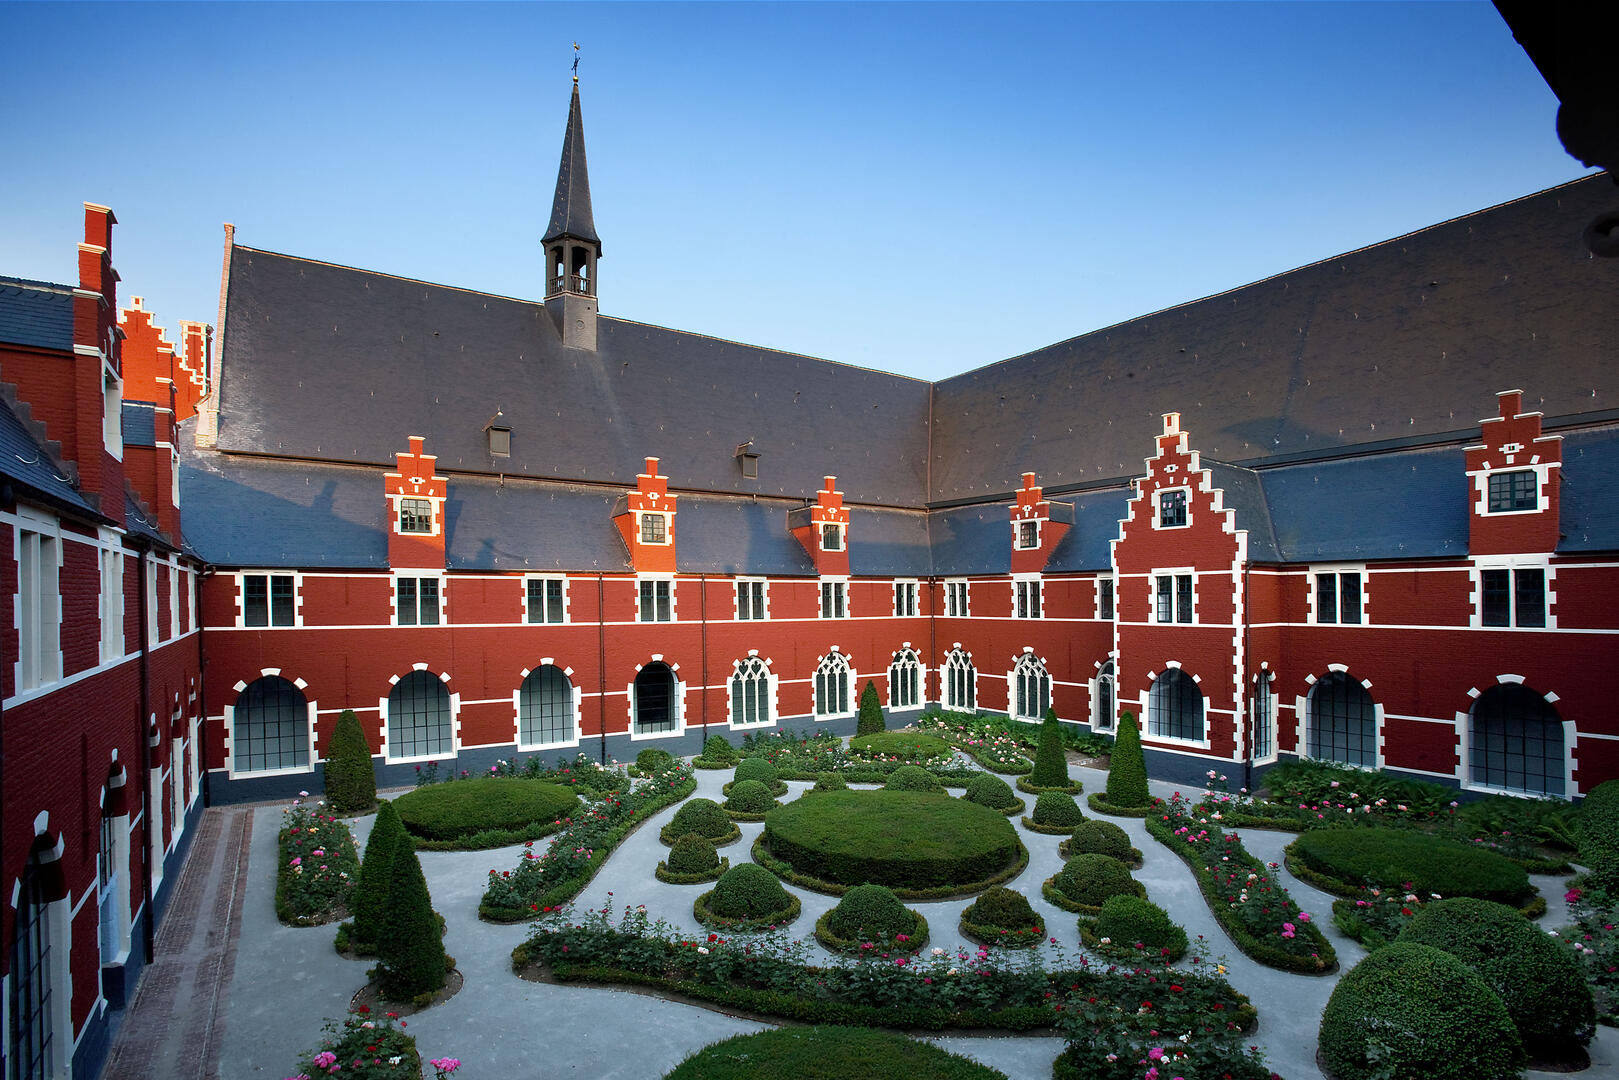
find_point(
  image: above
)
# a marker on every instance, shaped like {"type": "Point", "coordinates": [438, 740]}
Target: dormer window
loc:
{"type": "Point", "coordinates": [654, 529]}
{"type": "Point", "coordinates": [1513, 492]}
{"type": "Point", "coordinates": [415, 516]}
{"type": "Point", "coordinates": [831, 537]}
{"type": "Point", "coordinates": [1172, 508]}
{"type": "Point", "coordinates": [1028, 534]}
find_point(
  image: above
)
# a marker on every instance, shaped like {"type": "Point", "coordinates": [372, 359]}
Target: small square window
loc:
{"type": "Point", "coordinates": [1027, 599]}
{"type": "Point", "coordinates": [1028, 534]}
{"type": "Point", "coordinates": [955, 599]}
{"type": "Point", "coordinates": [831, 537]}
{"type": "Point", "coordinates": [834, 599]}
{"type": "Point", "coordinates": [418, 601]}
{"type": "Point", "coordinates": [905, 598]}
{"type": "Point", "coordinates": [1104, 598]}
{"type": "Point", "coordinates": [268, 600]}
{"type": "Point", "coordinates": [1512, 597]}
{"type": "Point", "coordinates": [656, 600]}
{"type": "Point", "coordinates": [654, 529]}
{"type": "Point", "coordinates": [545, 600]}
{"type": "Point", "coordinates": [415, 516]}
{"type": "Point", "coordinates": [1173, 598]}
{"type": "Point", "coordinates": [1171, 509]}
{"type": "Point", "coordinates": [1338, 598]}
{"type": "Point", "coordinates": [750, 600]}
{"type": "Point", "coordinates": [1514, 491]}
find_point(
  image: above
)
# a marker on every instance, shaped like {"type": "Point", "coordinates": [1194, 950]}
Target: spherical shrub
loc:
{"type": "Point", "coordinates": [750, 797]}
{"type": "Point", "coordinates": [871, 913]}
{"type": "Point", "coordinates": [755, 768]}
{"type": "Point", "coordinates": [747, 891]}
{"type": "Point", "coordinates": [693, 854]}
{"type": "Point", "coordinates": [653, 760]}
{"type": "Point", "coordinates": [1090, 879]}
{"type": "Point", "coordinates": [704, 817]}
{"type": "Point", "coordinates": [913, 778]}
{"type": "Point", "coordinates": [718, 748]}
{"type": "Point", "coordinates": [1100, 838]}
{"type": "Point", "coordinates": [1412, 1010]}
{"type": "Point", "coordinates": [1057, 809]}
{"type": "Point", "coordinates": [987, 789]}
{"type": "Point", "coordinates": [1540, 982]}
{"type": "Point", "coordinates": [831, 781]}
{"type": "Point", "coordinates": [1002, 908]}
{"type": "Point", "coordinates": [1129, 919]}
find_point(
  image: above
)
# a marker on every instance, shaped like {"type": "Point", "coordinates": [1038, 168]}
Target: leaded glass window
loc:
{"type": "Point", "coordinates": [1343, 722]}
{"type": "Point", "coordinates": [545, 707]}
{"type": "Point", "coordinates": [419, 720]}
{"type": "Point", "coordinates": [270, 727]}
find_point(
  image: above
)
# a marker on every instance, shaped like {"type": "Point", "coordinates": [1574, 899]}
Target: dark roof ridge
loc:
{"type": "Point", "coordinates": [1280, 274]}
{"type": "Point", "coordinates": [30, 283]}
{"type": "Point", "coordinates": [765, 348]}
{"type": "Point", "coordinates": [385, 274]}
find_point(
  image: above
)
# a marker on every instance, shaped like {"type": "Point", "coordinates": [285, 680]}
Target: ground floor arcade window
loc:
{"type": "Point", "coordinates": [1175, 707]}
{"type": "Point", "coordinates": [419, 720]}
{"type": "Point", "coordinates": [1032, 689]}
{"type": "Point", "coordinates": [960, 682]}
{"type": "Point", "coordinates": [1515, 741]}
{"type": "Point", "coordinates": [1342, 722]}
{"type": "Point", "coordinates": [655, 704]}
{"type": "Point", "coordinates": [270, 729]}
{"type": "Point", "coordinates": [545, 707]}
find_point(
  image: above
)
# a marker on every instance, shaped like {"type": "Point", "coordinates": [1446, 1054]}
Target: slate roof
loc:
{"type": "Point", "coordinates": [570, 211]}
{"type": "Point", "coordinates": [140, 423]}
{"type": "Point", "coordinates": [1411, 337]}
{"type": "Point", "coordinates": [1589, 499]}
{"type": "Point", "coordinates": [889, 542]}
{"type": "Point", "coordinates": [36, 313]}
{"type": "Point", "coordinates": [330, 363]}
{"type": "Point", "coordinates": [23, 462]}
{"type": "Point", "coordinates": [1244, 493]}
{"type": "Point", "coordinates": [491, 525]}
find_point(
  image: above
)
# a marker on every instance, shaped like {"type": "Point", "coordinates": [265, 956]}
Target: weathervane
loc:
{"type": "Point", "coordinates": [576, 61]}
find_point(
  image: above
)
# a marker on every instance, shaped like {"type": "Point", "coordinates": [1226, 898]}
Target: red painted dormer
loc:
{"type": "Point", "coordinates": [1513, 481]}
{"type": "Point", "coordinates": [823, 529]}
{"type": "Point", "coordinates": [416, 510]}
{"type": "Point", "coordinates": [646, 520]}
{"type": "Point", "coordinates": [1037, 527]}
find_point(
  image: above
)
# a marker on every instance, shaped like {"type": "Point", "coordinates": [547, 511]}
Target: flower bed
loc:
{"type": "Point", "coordinates": [997, 751]}
{"type": "Point", "coordinates": [912, 747]}
{"type": "Point", "coordinates": [938, 990]}
{"type": "Point", "coordinates": [365, 1048]}
{"type": "Point", "coordinates": [1002, 918]}
{"type": "Point", "coordinates": [1594, 940]}
{"type": "Point", "coordinates": [912, 942]}
{"type": "Point", "coordinates": [799, 756]}
{"type": "Point", "coordinates": [827, 1053]}
{"type": "Point", "coordinates": [1343, 861]}
{"type": "Point", "coordinates": [318, 866]}
{"type": "Point", "coordinates": [575, 854]}
{"type": "Point", "coordinates": [496, 812]}
{"type": "Point", "coordinates": [1242, 892]}
{"type": "Point", "coordinates": [1129, 928]}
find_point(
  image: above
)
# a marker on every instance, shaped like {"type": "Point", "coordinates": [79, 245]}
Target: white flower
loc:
{"type": "Point", "coordinates": [938, 951]}
{"type": "Point", "coordinates": [395, 1060]}
{"type": "Point", "coordinates": [303, 794]}
{"type": "Point", "coordinates": [1107, 941]}
{"type": "Point", "coordinates": [702, 950]}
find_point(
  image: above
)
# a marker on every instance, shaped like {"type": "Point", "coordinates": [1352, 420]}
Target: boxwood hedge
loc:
{"type": "Point", "coordinates": [1343, 861]}
{"type": "Point", "coordinates": [484, 813]}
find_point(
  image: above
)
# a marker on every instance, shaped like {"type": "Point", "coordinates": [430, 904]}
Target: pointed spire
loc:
{"type": "Point", "coordinates": [570, 212]}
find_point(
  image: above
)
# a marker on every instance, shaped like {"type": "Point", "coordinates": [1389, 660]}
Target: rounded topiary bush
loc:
{"type": "Point", "coordinates": [1127, 772]}
{"type": "Point", "coordinates": [1086, 882]}
{"type": "Point", "coordinates": [830, 781]}
{"type": "Point", "coordinates": [828, 1053]}
{"type": "Point", "coordinates": [351, 781]}
{"type": "Point", "coordinates": [1126, 921]}
{"type": "Point", "coordinates": [458, 811]}
{"type": "Point", "coordinates": [748, 892]}
{"type": "Point", "coordinates": [904, 745]}
{"type": "Point", "coordinates": [653, 760]}
{"type": "Point", "coordinates": [987, 789]}
{"type": "Point", "coordinates": [1413, 1010]}
{"type": "Point", "coordinates": [1344, 860]}
{"type": "Point", "coordinates": [1002, 917]}
{"type": "Point", "coordinates": [755, 768]}
{"type": "Point", "coordinates": [1540, 982]}
{"type": "Point", "coordinates": [705, 817]}
{"type": "Point", "coordinates": [1093, 837]}
{"type": "Point", "coordinates": [871, 913]}
{"type": "Point", "coordinates": [693, 854]}
{"type": "Point", "coordinates": [749, 797]}
{"type": "Point", "coordinates": [1056, 810]}
{"type": "Point", "coordinates": [913, 778]}
{"type": "Point", "coordinates": [718, 748]}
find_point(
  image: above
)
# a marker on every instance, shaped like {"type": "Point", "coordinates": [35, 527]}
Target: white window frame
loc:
{"type": "Point", "coordinates": [1173, 574]}
{"type": "Point", "coordinates": [269, 600]}
{"type": "Point", "coordinates": [1335, 571]}
{"type": "Point", "coordinates": [833, 529]}
{"type": "Point", "coordinates": [440, 580]}
{"type": "Point", "coordinates": [908, 658]}
{"type": "Point", "coordinates": [947, 670]}
{"type": "Point", "coordinates": [1017, 534]}
{"type": "Point", "coordinates": [399, 516]}
{"type": "Point", "coordinates": [38, 606]}
{"type": "Point", "coordinates": [312, 711]}
{"type": "Point", "coordinates": [677, 703]}
{"type": "Point", "coordinates": [150, 585]}
{"type": "Point", "coordinates": [114, 892]}
{"type": "Point", "coordinates": [667, 581]}
{"type": "Point", "coordinates": [1146, 708]}
{"type": "Point", "coordinates": [1481, 486]}
{"type": "Point", "coordinates": [907, 598]}
{"type": "Point", "coordinates": [1098, 721]}
{"type": "Point", "coordinates": [668, 520]}
{"type": "Point", "coordinates": [174, 598]}
{"type": "Point", "coordinates": [1023, 585]}
{"type": "Point", "coordinates": [576, 694]}
{"type": "Point", "coordinates": [110, 560]}
{"type": "Point", "coordinates": [763, 606]}
{"type": "Point", "coordinates": [382, 716]}
{"type": "Point", "coordinates": [1158, 507]}
{"type": "Point", "coordinates": [396, 503]}
{"type": "Point", "coordinates": [957, 598]}
{"type": "Point", "coordinates": [1113, 597]}
{"type": "Point", "coordinates": [1027, 661]}
{"type": "Point", "coordinates": [837, 589]}
{"type": "Point", "coordinates": [529, 581]}
{"type": "Point", "coordinates": [1513, 564]}
{"type": "Point", "coordinates": [838, 660]}
{"type": "Point", "coordinates": [1266, 678]}
{"type": "Point", "coordinates": [755, 662]}
{"type": "Point", "coordinates": [112, 410]}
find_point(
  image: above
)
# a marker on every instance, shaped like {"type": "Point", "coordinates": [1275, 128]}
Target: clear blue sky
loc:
{"type": "Point", "coordinates": [922, 188]}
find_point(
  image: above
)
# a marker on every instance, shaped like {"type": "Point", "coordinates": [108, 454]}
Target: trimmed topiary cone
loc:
{"type": "Point", "coordinates": [351, 782]}
{"type": "Point", "coordinates": [370, 902]}
{"type": "Point", "coordinates": [412, 945]}
{"type": "Point", "coordinates": [1127, 776]}
{"type": "Point", "coordinates": [870, 720]}
{"type": "Point", "coordinates": [1050, 760]}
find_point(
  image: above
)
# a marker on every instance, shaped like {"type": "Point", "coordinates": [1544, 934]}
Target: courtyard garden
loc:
{"type": "Point", "coordinates": [900, 882]}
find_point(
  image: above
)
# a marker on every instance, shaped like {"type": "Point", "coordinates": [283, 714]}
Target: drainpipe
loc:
{"type": "Point", "coordinates": [143, 759]}
{"type": "Point", "coordinates": [702, 612]}
{"type": "Point", "coordinates": [601, 664]}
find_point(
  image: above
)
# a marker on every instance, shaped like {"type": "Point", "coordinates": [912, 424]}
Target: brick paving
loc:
{"type": "Point", "coordinates": [175, 1025]}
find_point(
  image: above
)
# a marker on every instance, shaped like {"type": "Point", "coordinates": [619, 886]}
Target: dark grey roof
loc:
{"type": "Point", "coordinates": [1590, 493]}
{"type": "Point", "coordinates": [884, 542]}
{"type": "Point", "coordinates": [520, 525]}
{"type": "Point", "coordinates": [1088, 545]}
{"type": "Point", "coordinates": [1411, 337]}
{"type": "Point", "coordinates": [1410, 505]}
{"type": "Point", "coordinates": [140, 423]}
{"type": "Point", "coordinates": [972, 540]}
{"type": "Point", "coordinates": [23, 462]}
{"type": "Point", "coordinates": [281, 513]}
{"type": "Point", "coordinates": [570, 212]}
{"type": "Point", "coordinates": [1244, 493]}
{"type": "Point", "coordinates": [718, 535]}
{"type": "Point", "coordinates": [325, 362]}
{"type": "Point", "coordinates": [36, 313]}
{"type": "Point", "coordinates": [141, 522]}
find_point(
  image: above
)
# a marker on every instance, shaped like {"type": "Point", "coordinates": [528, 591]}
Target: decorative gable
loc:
{"type": "Point", "coordinates": [823, 529]}
{"type": "Point", "coordinates": [1037, 527]}
{"type": "Point", "coordinates": [645, 519]}
{"type": "Point", "coordinates": [415, 496]}
{"type": "Point", "coordinates": [1514, 479]}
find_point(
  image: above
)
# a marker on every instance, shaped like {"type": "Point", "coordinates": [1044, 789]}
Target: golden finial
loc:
{"type": "Point", "coordinates": [576, 63]}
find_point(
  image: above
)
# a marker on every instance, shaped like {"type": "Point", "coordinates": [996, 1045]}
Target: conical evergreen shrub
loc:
{"type": "Point", "coordinates": [351, 782]}
{"type": "Point", "coordinates": [1127, 777]}
{"type": "Point", "coordinates": [870, 721]}
{"type": "Point", "coordinates": [1050, 761]}
{"type": "Point", "coordinates": [411, 947]}
{"type": "Point", "coordinates": [369, 905]}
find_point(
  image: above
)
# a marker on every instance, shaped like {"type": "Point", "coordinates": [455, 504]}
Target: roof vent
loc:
{"type": "Point", "coordinates": [748, 458]}
{"type": "Point", "coordinates": [500, 435]}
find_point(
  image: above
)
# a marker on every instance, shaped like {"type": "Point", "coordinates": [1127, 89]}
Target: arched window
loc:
{"type": "Point", "coordinates": [1264, 717]}
{"type": "Point", "coordinates": [1343, 722]}
{"type": "Point", "coordinates": [419, 722]}
{"type": "Point", "coordinates": [656, 707]}
{"type": "Point", "coordinates": [750, 692]}
{"type": "Point", "coordinates": [832, 687]}
{"type": "Point", "coordinates": [34, 1049]}
{"type": "Point", "coordinates": [545, 708]}
{"type": "Point", "coordinates": [1515, 741]}
{"type": "Point", "coordinates": [960, 682]}
{"type": "Point", "coordinates": [1175, 706]}
{"type": "Point", "coordinates": [1103, 702]}
{"type": "Point", "coordinates": [1033, 682]}
{"type": "Point", "coordinates": [904, 681]}
{"type": "Point", "coordinates": [270, 729]}
{"type": "Point", "coordinates": [112, 856]}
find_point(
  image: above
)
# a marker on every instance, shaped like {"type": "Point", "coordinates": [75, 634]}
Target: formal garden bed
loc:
{"type": "Point", "coordinates": [806, 755]}
{"type": "Point", "coordinates": [827, 1053]}
{"type": "Point", "coordinates": [495, 812]}
{"type": "Point", "coordinates": [318, 865]}
{"type": "Point", "coordinates": [1103, 838]}
{"type": "Point", "coordinates": [1345, 861]}
{"type": "Point", "coordinates": [1128, 928]}
{"type": "Point", "coordinates": [1087, 881]}
{"type": "Point", "coordinates": [871, 917]}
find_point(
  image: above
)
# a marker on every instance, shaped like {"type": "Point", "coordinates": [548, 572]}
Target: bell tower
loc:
{"type": "Point", "coordinates": [571, 244]}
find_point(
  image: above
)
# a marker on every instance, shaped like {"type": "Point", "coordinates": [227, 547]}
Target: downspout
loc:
{"type": "Point", "coordinates": [601, 664]}
{"type": "Point", "coordinates": [702, 612]}
{"type": "Point", "coordinates": [143, 756]}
